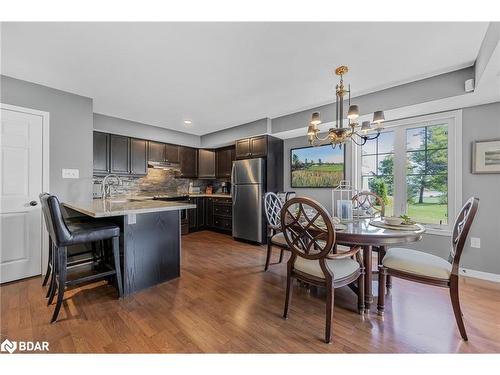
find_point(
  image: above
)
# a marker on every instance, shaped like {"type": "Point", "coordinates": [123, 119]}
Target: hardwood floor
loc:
{"type": "Point", "coordinates": [224, 302]}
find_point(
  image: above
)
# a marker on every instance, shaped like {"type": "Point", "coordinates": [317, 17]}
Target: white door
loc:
{"type": "Point", "coordinates": [20, 183]}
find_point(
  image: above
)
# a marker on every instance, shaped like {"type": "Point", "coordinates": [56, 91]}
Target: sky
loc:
{"type": "Point", "coordinates": [326, 153]}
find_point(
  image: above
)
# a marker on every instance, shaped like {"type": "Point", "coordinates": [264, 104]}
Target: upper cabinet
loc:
{"type": "Point", "coordinates": [258, 146]}
{"type": "Point", "coordinates": [156, 151]}
{"type": "Point", "coordinates": [206, 164]}
{"type": "Point", "coordinates": [243, 149]}
{"type": "Point", "coordinates": [172, 153]}
{"type": "Point", "coordinates": [138, 157]}
{"type": "Point", "coordinates": [101, 153]}
{"type": "Point", "coordinates": [255, 147]}
{"type": "Point", "coordinates": [188, 159]}
{"type": "Point", "coordinates": [120, 154]}
{"type": "Point", "coordinates": [224, 158]}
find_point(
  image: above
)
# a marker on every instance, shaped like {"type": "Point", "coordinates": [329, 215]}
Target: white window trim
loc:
{"type": "Point", "coordinates": [454, 121]}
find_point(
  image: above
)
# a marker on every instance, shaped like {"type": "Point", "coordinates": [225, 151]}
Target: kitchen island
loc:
{"type": "Point", "coordinates": [150, 237]}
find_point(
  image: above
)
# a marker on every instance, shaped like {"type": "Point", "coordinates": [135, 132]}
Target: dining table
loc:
{"type": "Point", "coordinates": [360, 232]}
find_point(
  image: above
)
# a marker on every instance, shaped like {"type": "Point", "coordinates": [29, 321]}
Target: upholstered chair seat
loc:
{"type": "Point", "coordinates": [417, 263]}
{"type": "Point", "coordinates": [279, 240]}
{"type": "Point", "coordinates": [340, 268]}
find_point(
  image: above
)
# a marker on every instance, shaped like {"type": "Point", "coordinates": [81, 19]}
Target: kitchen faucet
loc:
{"type": "Point", "coordinates": [105, 191]}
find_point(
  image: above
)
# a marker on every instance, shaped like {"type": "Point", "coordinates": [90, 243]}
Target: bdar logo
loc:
{"type": "Point", "coordinates": [8, 346]}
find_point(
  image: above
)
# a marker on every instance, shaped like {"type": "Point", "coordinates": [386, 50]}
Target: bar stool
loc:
{"type": "Point", "coordinates": [71, 254]}
{"type": "Point", "coordinates": [64, 234]}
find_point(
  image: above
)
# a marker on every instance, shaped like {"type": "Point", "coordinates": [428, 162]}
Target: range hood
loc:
{"type": "Point", "coordinates": [166, 165]}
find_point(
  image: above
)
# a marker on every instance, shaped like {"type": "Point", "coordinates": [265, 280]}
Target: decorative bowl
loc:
{"type": "Point", "coordinates": [393, 220]}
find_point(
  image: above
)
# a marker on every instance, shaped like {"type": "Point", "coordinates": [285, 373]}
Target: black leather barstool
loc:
{"type": "Point", "coordinates": [70, 233]}
{"type": "Point", "coordinates": [71, 254]}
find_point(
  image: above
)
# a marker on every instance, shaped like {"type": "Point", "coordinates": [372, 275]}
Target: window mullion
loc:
{"type": "Point", "coordinates": [400, 171]}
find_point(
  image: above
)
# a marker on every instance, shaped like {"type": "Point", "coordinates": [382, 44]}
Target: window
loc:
{"type": "Point", "coordinates": [415, 166]}
{"type": "Point", "coordinates": [377, 168]}
{"type": "Point", "coordinates": [427, 174]}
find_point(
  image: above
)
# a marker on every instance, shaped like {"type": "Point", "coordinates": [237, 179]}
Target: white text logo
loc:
{"type": "Point", "coordinates": [24, 346]}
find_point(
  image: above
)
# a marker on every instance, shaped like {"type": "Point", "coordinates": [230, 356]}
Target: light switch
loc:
{"type": "Point", "coordinates": [70, 173]}
{"type": "Point", "coordinates": [475, 242]}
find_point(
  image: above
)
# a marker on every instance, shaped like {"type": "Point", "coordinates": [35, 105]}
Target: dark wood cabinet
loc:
{"type": "Point", "coordinates": [222, 212]}
{"type": "Point", "coordinates": [255, 147]}
{"type": "Point", "coordinates": [172, 153]}
{"type": "Point", "coordinates": [156, 151]}
{"type": "Point", "coordinates": [120, 154]}
{"type": "Point", "coordinates": [188, 158]}
{"type": "Point", "coordinates": [193, 216]}
{"type": "Point", "coordinates": [258, 146]}
{"type": "Point", "coordinates": [210, 213]}
{"type": "Point", "coordinates": [206, 164]}
{"type": "Point", "coordinates": [138, 157]}
{"type": "Point", "coordinates": [243, 149]}
{"type": "Point", "coordinates": [224, 162]}
{"type": "Point", "coordinates": [201, 213]}
{"type": "Point", "coordinates": [101, 153]}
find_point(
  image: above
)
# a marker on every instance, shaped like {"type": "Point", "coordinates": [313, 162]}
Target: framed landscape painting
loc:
{"type": "Point", "coordinates": [486, 156]}
{"type": "Point", "coordinates": [317, 167]}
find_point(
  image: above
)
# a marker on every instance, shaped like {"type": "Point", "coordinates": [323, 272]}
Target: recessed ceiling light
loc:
{"type": "Point", "coordinates": [188, 122]}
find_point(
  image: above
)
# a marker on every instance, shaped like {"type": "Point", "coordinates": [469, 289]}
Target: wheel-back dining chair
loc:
{"type": "Point", "coordinates": [310, 234]}
{"type": "Point", "coordinates": [369, 201]}
{"type": "Point", "coordinates": [273, 206]}
{"type": "Point", "coordinates": [429, 269]}
{"type": "Point", "coordinates": [375, 206]}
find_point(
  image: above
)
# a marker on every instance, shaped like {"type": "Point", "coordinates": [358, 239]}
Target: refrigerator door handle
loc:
{"type": "Point", "coordinates": [232, 174]}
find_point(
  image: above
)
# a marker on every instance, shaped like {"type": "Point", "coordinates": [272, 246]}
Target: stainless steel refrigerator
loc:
{"type": "Point", "coordinates": [248, 187]}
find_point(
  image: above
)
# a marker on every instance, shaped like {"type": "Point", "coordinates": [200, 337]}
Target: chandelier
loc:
{"type": "Point", "coordinates": [353, 131]}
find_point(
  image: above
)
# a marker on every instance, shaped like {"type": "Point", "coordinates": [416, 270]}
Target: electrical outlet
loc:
{"type": "Point", "coordinates": [132, 219]}
{"type": "Point", "coordinates": [70, 173]}
{"type": "Point", "coordinates": [475, 242]}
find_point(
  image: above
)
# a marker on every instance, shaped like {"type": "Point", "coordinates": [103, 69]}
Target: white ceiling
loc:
{"type": "Point", "coordinates": [224, 74]}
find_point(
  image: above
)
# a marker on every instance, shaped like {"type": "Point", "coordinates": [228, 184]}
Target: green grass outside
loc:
{"type": "Point", "coordinates": [429, 212]}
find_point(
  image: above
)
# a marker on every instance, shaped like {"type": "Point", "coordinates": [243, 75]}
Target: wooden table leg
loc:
{"type": "Point", "coordinates": [367, 260]}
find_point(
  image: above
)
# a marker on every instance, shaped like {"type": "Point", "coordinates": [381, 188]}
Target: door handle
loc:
{"type": "Point", "coordinates": [33, 203]}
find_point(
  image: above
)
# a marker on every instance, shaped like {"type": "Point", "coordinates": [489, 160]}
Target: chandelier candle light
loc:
{"type": "Point", "coordinates": [340, 134]}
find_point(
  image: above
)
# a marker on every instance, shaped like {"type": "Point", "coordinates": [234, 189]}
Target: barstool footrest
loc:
{"type": "Point", "coordinates": [85, 279]}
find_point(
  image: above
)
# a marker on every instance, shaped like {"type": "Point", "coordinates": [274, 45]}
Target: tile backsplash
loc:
{"type": "Point", "coordinates": [157, 181]}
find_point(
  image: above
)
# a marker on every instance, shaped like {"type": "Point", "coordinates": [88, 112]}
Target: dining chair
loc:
{"type": "Point", "coordinates": [272, 207]}
{"type": "Point", "coordinates": [366, 200]}
{"type": "Point", "coordinates": [373, 203]}
{"type": "Point", "coordinates": [429, 269]}
{"type": "Point", "coordinates": [310, 234]}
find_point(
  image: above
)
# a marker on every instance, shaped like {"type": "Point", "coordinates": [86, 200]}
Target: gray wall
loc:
{"type": "Point", "coordinates": [70, 132]}
{"type": "Point", "coordinates": [478, 123]}
{"type": "Point", "coordinates": [228, 136]}
{"type": "Point", "coordinates": [425, 90]}
{"type": "Point", "coordinates": [120, 126]}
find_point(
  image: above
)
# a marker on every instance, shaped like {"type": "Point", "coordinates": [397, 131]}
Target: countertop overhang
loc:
{"type": "Point", "coordinates": [121, 207]}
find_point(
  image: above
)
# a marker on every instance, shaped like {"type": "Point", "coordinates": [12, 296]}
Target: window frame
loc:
{"type": "Point", "coordinates": [453, 120]}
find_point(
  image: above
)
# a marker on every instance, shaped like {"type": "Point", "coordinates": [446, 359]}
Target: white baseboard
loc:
{"type": "Point", "coordinates": [480, 275]}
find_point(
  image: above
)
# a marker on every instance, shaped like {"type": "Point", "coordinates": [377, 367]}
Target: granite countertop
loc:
{"type": "Point", "coordinates": [150, 197]}
{"type": "Point", "coordinates": [214, 195]}
{"type": "Point", "coordinates": [123, 206]}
